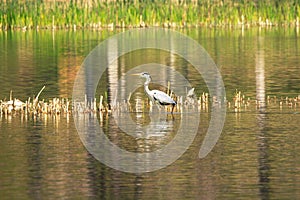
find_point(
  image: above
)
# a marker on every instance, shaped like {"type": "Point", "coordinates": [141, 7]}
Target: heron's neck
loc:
{"type": "Point", "coordinates": [146, 87]}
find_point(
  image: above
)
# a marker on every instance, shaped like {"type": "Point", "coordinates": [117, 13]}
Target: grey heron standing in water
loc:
{"type": "Point", "coordinates": [156, 96]}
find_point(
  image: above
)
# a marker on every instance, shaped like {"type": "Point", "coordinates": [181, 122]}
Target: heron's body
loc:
{"type": "Point", "coordinates": [157, 96]}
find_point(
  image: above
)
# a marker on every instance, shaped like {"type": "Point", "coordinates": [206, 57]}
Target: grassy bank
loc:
{"type": "Point", "coordinates": [96, 14]}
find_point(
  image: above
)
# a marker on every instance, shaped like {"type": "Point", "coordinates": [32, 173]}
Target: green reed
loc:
{"type": "Point", "coordinates": [29, 14]}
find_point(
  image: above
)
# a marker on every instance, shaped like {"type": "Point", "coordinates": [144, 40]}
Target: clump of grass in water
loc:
{"type": "Point", "coordinates": [58, 106]}
{"type": "Point", "coordinates": [102, 14]}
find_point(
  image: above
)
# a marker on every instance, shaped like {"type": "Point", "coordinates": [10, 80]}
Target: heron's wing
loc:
{"type": "Point", "coordinates": [162, 98]}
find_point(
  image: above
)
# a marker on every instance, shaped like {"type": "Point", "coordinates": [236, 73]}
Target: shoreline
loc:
{"type": "Point", "coordinates": [170, 26]}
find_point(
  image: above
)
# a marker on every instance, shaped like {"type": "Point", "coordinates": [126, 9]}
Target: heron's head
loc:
{"type": "Point", "coordinates": [145, 75]}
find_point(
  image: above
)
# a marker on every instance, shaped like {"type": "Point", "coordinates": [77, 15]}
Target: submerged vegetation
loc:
{"type": "Point", "coordinates": [97, 14]}
{"type": "Point", "coordinates": [57, 106]}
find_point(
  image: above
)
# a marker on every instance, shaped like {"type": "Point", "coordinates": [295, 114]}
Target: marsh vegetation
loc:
{"type": "Point", "coordinates": [98, 14]}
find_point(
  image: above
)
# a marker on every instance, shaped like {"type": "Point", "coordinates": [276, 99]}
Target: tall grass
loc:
{"type": "Point", "coordinates": [29, 14]}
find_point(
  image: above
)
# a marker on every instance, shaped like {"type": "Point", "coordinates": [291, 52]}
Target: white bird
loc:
{"type": "Point", "coordinates": [156, 96]}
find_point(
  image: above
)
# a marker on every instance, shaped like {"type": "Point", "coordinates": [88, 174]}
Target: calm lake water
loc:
{"type": "Point", "coordinates": [256, 157]}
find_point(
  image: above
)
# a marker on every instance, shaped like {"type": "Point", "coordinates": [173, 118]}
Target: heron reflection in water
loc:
{"type": "Point", "coordinates": [156, 96]}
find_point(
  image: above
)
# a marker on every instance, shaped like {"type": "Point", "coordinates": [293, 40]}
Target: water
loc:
{"type": "Point", "coordinates": [256, 157]}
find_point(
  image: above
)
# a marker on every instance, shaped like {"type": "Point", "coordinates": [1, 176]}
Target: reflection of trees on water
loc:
{"type": "Point", "coordinates": [260, 75]}
{"type": "Point", "coordinates": [263, 161]}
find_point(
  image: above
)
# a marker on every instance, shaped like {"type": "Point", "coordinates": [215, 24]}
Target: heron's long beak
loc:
{"type": "Point", "coordinates": [136, 74]}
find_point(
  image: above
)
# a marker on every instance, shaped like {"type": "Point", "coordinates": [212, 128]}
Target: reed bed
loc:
{"type": "Point", "coordinates": [202, 103]}
{"type": "Point", "coordinates": [98, 14]}
{"type": "Point", "coordinates": [34, 106]}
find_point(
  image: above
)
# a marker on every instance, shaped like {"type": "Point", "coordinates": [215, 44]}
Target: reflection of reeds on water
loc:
{"type": "Point", "coordinates": [57, 106]}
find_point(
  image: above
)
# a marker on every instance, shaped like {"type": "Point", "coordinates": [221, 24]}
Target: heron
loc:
{"type": "Point", "coordinates": [156, 96]}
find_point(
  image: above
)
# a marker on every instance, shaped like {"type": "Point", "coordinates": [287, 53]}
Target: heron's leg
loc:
{"type": "Point", "coordinates": [173, 105]}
